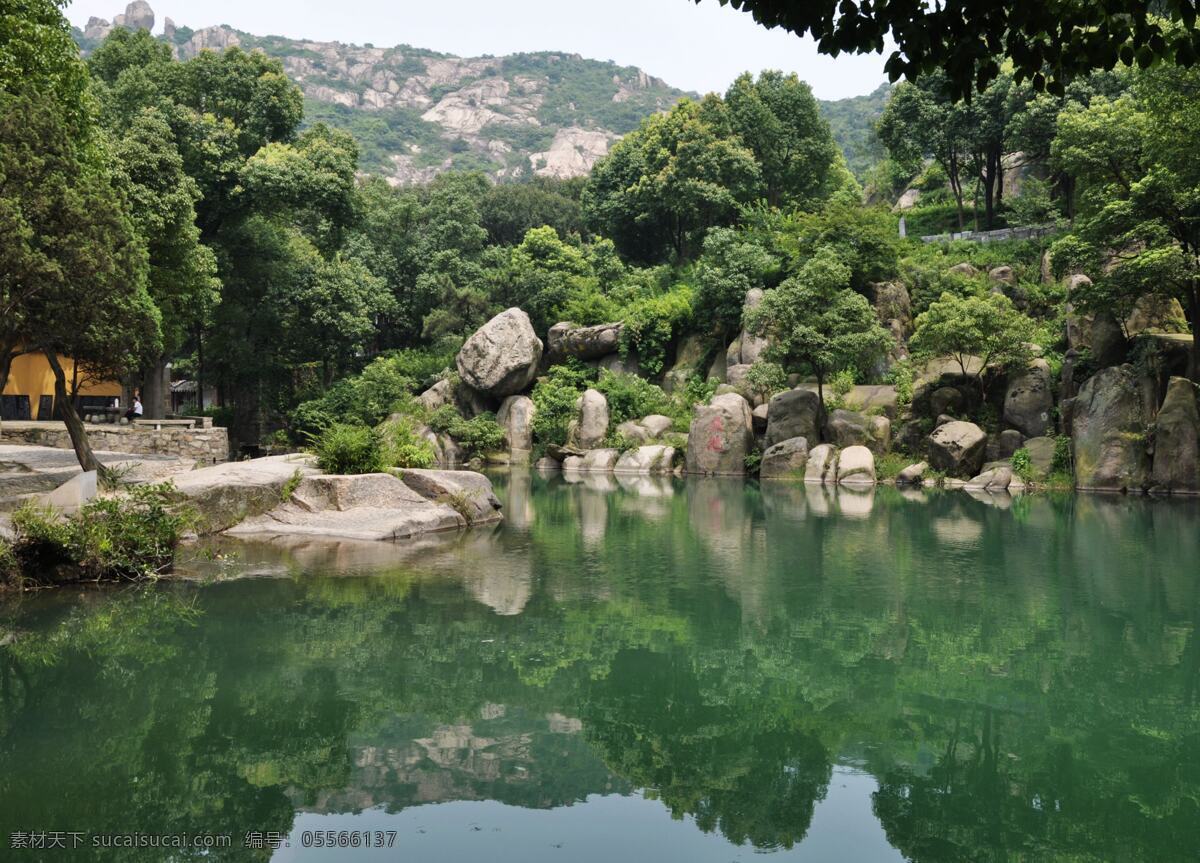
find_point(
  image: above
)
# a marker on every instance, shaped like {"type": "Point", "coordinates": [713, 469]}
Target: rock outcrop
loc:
{"type": "Point", "coordinates": [1029, 400]}
{"type": "Point", "coordinates": [822, 464]}
{"type": "Point", "coordinates": [957, 448]}
{"type": "Point", "coordinates": [856, 466]}
{"type": "Point", "coordinates": [721, 436]}
{"type": "Point", "coordinates": [378, 506]}
{"type": "Point", "coordinates": [790, 414]}
{"type": "Point", "coordinates": [1108, 429]}
{"type": "Point", "coordinates": [1177, 440]}
{"type": "Point", "coordinates": [501, 358]}
{"type": "Point", "coordinates": [845, 428]}
{"type": "Point", "coordinates": [591, 428]}
{"type": "Point", "coordinates": [786, 459]}
{"type": "Point", "coordinates": [654, 459]}
{"type": "Point", "coordinates": [516, 418]}
{"type": "Point", "coordinates": [227, 494]}
{"type": "Point", "coordinates": [583, 343]}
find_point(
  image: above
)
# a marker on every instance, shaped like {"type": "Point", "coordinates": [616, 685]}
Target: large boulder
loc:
{"type": "Point", "coordinates": [946, 400]}
{"type": "Point", "coordinates": [516, 418]}
{"type": "Point", "coordinates": [822, 464]}
{"type": "Point", "coordinates": [599, 460]}
{"type": "Point", "coordinates": [747, 348]}
{"type": "Point", "coordinates": [584, 343]}
{"type": "Point", "coordinates": [914, 474]}
{"type": "Point", "coordinates": [957, 448]}
{"type": "Point", "coordinates": [721, 436]}
{"type": "Point", "coordinates": [856, 466]}
{"type": "Point", "coordinates": [226, 494]}
{"type": "Point", "coordinates": [845, 428]}
{"type": "Point", "coordinates": [441, 393]}
{"type": "Point", "coordinates": [1108, 428]}
{"type": "Point", "coordinates": [378, 506]}
{"type": "Point", "coordinates": [633, 431]}
{"type": "Point", "coordinates": [1177, 439]}
{"type": "Point", "coordinates": [1041, 454]}
{"type": "Point", "coordinates": [790, 414]}
{"type": "Point", "coordinates": [996, 478]}
{"type": "Point", "coordinates": [785, 459]}
{"type": "Point", "coordinates": [656, 424]}
{"type": "Point", "coordinates": [592, 425]}
{"type": "Point", "coordinates": [138, 16]}
{"type": "Point", "coordinates": [1030, 399]}
{"type": "Point", "coordinates": [501, 358]}
{"type": "Point", "coordinates": [688, 356]}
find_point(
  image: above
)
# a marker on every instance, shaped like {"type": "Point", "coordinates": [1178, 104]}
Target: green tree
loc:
{"type": "Point", "coordinates": [1138, 222]}
{"type": "Point", "coordinates": [508, 210]}
{"type": "Point", "coordinates": [779, 120]}
{"type": "Point", "coordinates": [1047, 45]}
{"type": "Point", "coordinates": [815, 319]}
{"type": "Point", "coordinates": [665, 184]}
{"type": "Point", "coordinates": [976, 331]}
{"type": "Point", "coordinates": [732, 264]}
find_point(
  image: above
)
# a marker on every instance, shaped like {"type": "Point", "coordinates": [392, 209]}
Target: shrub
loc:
{"type": "Point", "coordinates": [651, 323]}
{"type": "Point", "coordinates": [402, 447]}
{"type": "Point", "coordinates": [1063, 461]}
{"type": "Point", "coordinates": [840, 386]}
{"type": "Point", "coordinates": [554, 398]}
{"type": "Point", "coordinates": [349, 449]}
{"type": "Point", "coordinates": [889, 465]}
{"type": "Point", "coordinates": [902, 378]}
{"type": "Point", "coordinates": [1022, 465]}
{"type": "Point", "coordinates": [765, 379]}
{"type": "Point", "coordinates": [631, 397]}
{"type": "Point", "coordinates": [113, 538]}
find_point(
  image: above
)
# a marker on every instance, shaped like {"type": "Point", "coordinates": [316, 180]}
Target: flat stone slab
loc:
{"type": "Point", "coordinates": [226, 494]}
{"type": "Point", "coordinates": [376, 506]}
{"type": "Point", "coordinates": [26, 470]}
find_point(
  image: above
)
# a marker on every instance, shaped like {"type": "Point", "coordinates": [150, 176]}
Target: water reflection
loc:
{"type": "Point", "coordinates": [1019, 682]}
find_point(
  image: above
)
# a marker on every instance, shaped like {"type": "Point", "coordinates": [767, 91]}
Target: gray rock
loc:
{"type": "Point", "coordinates": [657, 424]}
{"type": "Point", "coordinates": [1003, 445]}
{"type": "Point", "coordinates": [760, 419]}
{"type": "Point", "coordinates": [691, 351]}
{"type": "Point", "coordinates": [792, 414]}
{"type": "Point", "coordinates": [721, 435]}
{"type": "Point", "coordinates": [226, 494]}
{"type": "Point", "coordinates": [69, 497]}
{"type": "Point", "coordinates": [957, 448]}
{"type": "Point", "coordinates": [516, 418]}
{"type": "Point", "coordinates": [378, 506]}
{"type": "Point", "coordinates": [138, 16]}
{"type": "Point", "coordinates": [654, 459]}
{"type": "Point", "coordinates": [561, 453]}
{"type": "Point", "coordinates": [592, 428]}
{"type": "Point", "coordinates": [599, 460]}
{"type": "Point", "coordinates": [1003, 275]}
{"type": "Point", "coordinates": [1041, 454]}
{"type": "Point", "coordinates": [1109, 345]}
{"type": "Point", "coordinates": [545, 464]}
{"type": "Point", "coordinates": [633, 431]}
{"type": "Point", "coordinates": [822, 464]}
{"type": "Point", "coordinates": [437, 395]}
{"type": "Point", "coordinates": [1108, 430]}
{"type": "Point", "coordinates": [585, 343]}
{"type": "Point", "coordinates": [1177, 439]}
{"type": "Point", "coordinates": [621, 365]}
{"type": "Point", "coordinates": [946, 400]}
{"type": "Point", "coordinates": [786, 459]}
{"type": "Point", "coordinates": [964, 269]}
{"type": "Point", "coordinates": [993, 479]}
{"type": "Point", "coordinates": [501, 357]}
{"type": "Point", "coordinates": [943, 419]}
{"type": "Point", "coordinates": [1029, 400]}
{"type": "Point", "coordinates": [914, 474]}
{"type": "Point", "coordinates": [573, 463]}
{"type": "Point", "coordinates": [856, 466]}
{"type": "Point", "coordinates": [845, 428]}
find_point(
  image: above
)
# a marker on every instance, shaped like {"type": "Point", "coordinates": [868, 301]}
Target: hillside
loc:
{"type": "Point", "coordinates": [852, 122]}
{"type": "Point", "coordinates": [416, 112]}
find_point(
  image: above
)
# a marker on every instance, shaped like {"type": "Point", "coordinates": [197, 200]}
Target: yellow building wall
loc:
{"type": "Point", "coordinates": [32, 376]}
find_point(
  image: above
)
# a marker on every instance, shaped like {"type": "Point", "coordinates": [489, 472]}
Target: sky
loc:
{"type": "Point", "coordinates": [693, 47]}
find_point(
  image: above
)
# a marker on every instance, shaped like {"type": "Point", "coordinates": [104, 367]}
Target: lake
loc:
{"type": "Point", "coordinates": [660, 670]}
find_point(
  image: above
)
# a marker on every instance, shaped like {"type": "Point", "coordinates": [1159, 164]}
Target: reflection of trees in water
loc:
{"type": "Point", "coordinates": [1021, 682]}
{"type": "Point", "coordinates": [754, 778]}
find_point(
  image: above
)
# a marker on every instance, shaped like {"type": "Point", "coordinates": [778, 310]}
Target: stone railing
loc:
{"type": "Point", "coordinates": [1032, 232]}
{"type": "Point", "coordinates": [205, 445]}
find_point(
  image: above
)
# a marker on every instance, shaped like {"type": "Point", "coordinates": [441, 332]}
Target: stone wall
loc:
{"type": "Point", "coordinates": [206, 445]}
{"type": "Point", "coordinates": [1032, 232]}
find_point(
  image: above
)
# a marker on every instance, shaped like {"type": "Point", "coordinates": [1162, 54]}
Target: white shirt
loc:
{"type": "Point", "coordinates": [137, 407]}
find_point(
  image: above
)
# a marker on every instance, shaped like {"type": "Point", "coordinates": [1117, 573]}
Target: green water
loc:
{"type": "Point", "coordinates": [700, 671]}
